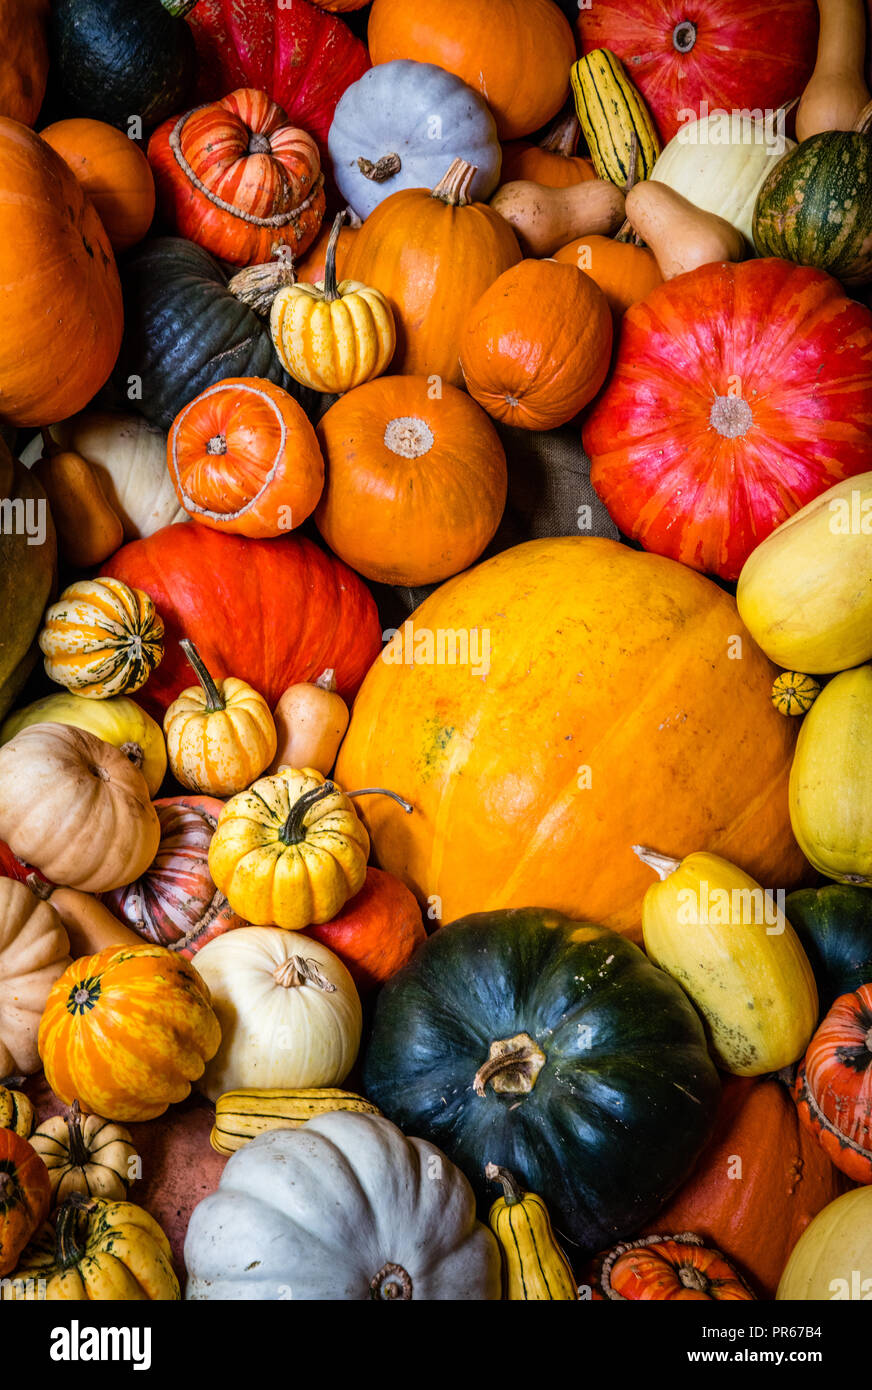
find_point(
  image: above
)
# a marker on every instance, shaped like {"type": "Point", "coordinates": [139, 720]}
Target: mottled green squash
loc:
{"type": "Point", "coordinates": [834, 924]}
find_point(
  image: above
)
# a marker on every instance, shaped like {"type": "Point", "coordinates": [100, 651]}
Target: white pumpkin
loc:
{"type": "Point", "coordinates": [289, 1012]}
{"type": "Point", "coordinates": [719, 164]}
{"type": "Point", "coordinates": [832, 1260]}
{"type": "Point", "coordinates": [344, 1209]}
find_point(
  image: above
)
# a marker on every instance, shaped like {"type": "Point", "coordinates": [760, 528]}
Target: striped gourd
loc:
{"type": "Point", "coordinates": [611, 112]}
{"type": "Point", "coordinates": [241, 1116]}
{"type": "Point", "coordinates": [101, 638]}
{"type": "Point", "coordinates": [16, 1111]}
{"type": "Point", "coordinates": [534, 1266]}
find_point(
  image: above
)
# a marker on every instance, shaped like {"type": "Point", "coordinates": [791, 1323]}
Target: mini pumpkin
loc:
{"type": "Point", "coordinates": [34, 952]}
{"type": "Point", "coordinates": [670, 1268]}
{"type": "Point", "coordinates": [24, 1196]}
{"type": "Point", "coordinates": [220, 735]}
{"type": "Point", "coordinates": [794, 693]}
{"type": "Point", "coordinates": [85, 1154]}
{"type": "Point", "coordinates": [101, 638]}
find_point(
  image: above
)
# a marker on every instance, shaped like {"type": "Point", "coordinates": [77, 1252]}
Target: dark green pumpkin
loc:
{"type": "Point", "coordinates": [114, 59]}
{"type": "Point", "coordinates": [815, 207]}
{"type": "Point", "coordinates": [184, 331]}
{"type": "Point", "coordinates": [834, 925]}
{"type": "Point", "coordinates": [623, 1103]}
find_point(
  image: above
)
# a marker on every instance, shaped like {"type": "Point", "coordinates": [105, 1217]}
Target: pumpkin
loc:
{"type": "Point", "coordinates": [24, 1196]}
{"type": "Point", "coordinates": [681, 235]}
{"type": "Point", "coordinates": [517, 53]}
{"type": "Point", "coordinates": [113, 59]}
{"type": "Point", "coordinates": [304, 611]}
{"type": "Point", "coordinates": [241, 1116]}
{"type": "Point", "coordinates": [88, 529]}
{"type": "Point", "coordinates": [63, 358]}
{"type": "Point", "coordinates": [833, 1260]}
{"type": "Point", "coordinates": [732, 950]}
{"type": "Point", "coordinates": [688, 439]}
{"type": "Point", "coordinates": [75, 807]}
{"type": "Point", "coordinates": [534, 1266]}
{"type": "Point", "coordinates": [536, 347]}
{"type": "Point", "coordinates": [289, 1012]}
{"type": "Point", "coordinates": [126, 1031]}
{"type": "Point", "coordinates": [552, 160]}
{"type": "Point", "coordinates": [615, 121]}
{"type": "Point", "coordinates": [504, 1021]}
{"type": "Point", "coordinates": [376, 933]}
{"type": "Point", "coordinates": [24, 65]}
{"type": "Point", "coordinates": [97, 1250]}
{"type": "Point", "coordinates": [85, 1154]}
{"type": "Point", "coordinates": [16, 1111]}
{"type": "Point", "coordinates": [670, 1268]}
{"type": "Point", "coordinates": [551, 779]}
{"type": "Point", "coordinates": [27, 573]}
{"type": "Point", "coordinates": [310, 719]}
{"type": "Point", "coordinates": [624, 272]}
{"type": "Point", "coordinates": [112, 171]}
{"type": "Point", "coordinates": [732, 56]}
{"type": "Point", "coordinates": [34, 952]}
{"type": "Point", "coordinates": [220, 737]}
{"type": "Point", "coordinates": [416, 480]}
{"type": "Point", "coordinates": [431, 255]}
{"type": "Point", "coordinates": [237, 177]}
{"type": "Point", "coordinates": [170, 286]}
{"type": "Point", "coordinates": [543, 219]}
{"type": "Point", "coordinates": [101, 638]}
{"type": "Point", "coordinates": [384, 137]}
{"type": "Point", "coordinates": [301, 57]}
{"type": "Point", "coordinates": [834, 924]}
{"type": "Point", "coordinates": [332, 337]}
{"type": "Point", "coordinates": [793, 215]}
{"type": "Point", "coordinates": [836, 92]}
{"type": "Point", "coordinates": [175, 903]}
{"type": "Point", "coordinates": [244, 459]}
{"type": "Point", "coordinates": [291, 850]}
{"type": "Point", "coordinates": [312, 268]}
{"type": "Point", "coordinates": [829, 803]}
{"type": "Point", "coordinates": [805, 594]}
{"type": "Point", "coordinates": [118, 721]}
{"type": "Point", "coordinates": [362, 1224]}
{"type": "Point", "coordinates": [832, 1084]}
{"type": "Point", "coordinates": [794, 693]}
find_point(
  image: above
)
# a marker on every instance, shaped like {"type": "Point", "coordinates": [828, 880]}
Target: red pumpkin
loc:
{"type": "Point", "coordinates": [732, 54]}
{"type": "Point", "coordinates": [377, 932]}
{"type": "Point", "coordinates": [669, 1268]}
{"type": "Point", "coordinates": [272, 612]}
{"type": "Point", "coordinates": [302, 57]}
{"type": "Point", "coordinates": [25, 1196]}
{"type": "Point", "coordinates": [739, 394]}
{"type": "Point", "coordinates": [833, 1088]}
{"type": "Point", "coordinates": [238, 178]}
{"type": "Point", "coordinates": [175, 903]}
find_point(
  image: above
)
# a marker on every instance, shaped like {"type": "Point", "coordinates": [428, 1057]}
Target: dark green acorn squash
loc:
{"type": "Point", "coordinates": [604, 1095]}
{"type": "Point", "coordinates": [815, 207]}
{"type": "Point", "coordinates": [113, 59]}
{"type": "Point", "coordinates": [834, 924]}
{"type": "Point", "coordinates": [184, 330]}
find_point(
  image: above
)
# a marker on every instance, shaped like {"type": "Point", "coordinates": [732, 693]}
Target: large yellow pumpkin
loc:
{"type": "Point", "coordinates": [551, 708]}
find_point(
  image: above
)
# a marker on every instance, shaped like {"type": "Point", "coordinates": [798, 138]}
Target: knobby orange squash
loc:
{"type": "Point", "coordinates": [114, 173]}
{"type": "Point", "coordinates": [535, 747]}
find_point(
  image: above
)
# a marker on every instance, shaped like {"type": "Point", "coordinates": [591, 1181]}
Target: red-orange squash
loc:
{"type": "Point", "coordinates": [24, 58]}
{"type": "Point", "coordinates": [237, 178]}
{"type": "Point", "coordinates": [312, 267]}
{"type": "Point", "coordinates": [552, 161]}
{"type": "Point", "coordinates": [243, 458]}
{"type": "Point", "coordinates": [377, 932]}
{"type": "Point", "coordinates": [624, 272]}
{"type": "Point", "coordinates": [416, 480]}
{"type": "Point", "coordinates": [25, 1196]}
{"type": "Point", "coordinates": [536, 347]}
{"type": "Point", "coordinates": [670, 1269]}
{"type": "Point", "coordinates": [834, 1085]}
{"type": "Point", "coordinates": [113, 172]}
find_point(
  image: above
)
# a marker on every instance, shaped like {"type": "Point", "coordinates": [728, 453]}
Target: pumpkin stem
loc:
{"type": "Point", "coordinates": [133, 753]}
{"type": "Point", "coordinates": [258, 285]}
{"type": "Point", "coordinates": [513, 1065]}
{"type": "Point", "coordinates": [634, 163]}
{"type": "Point", "coordinates": [296, 971]}
{"type": "Point", "coordinates": [684, 36]}
{"type": "Point", "coordinates": [78, 1150]}
{"type": "Point", "coordinates": [326, 680]}
{"type": "Point", "coordinates": [382, 170]}
{"type": "Point", "coordinates": [391, 1282]}
{"type": "Point", "coordinates": [562, 136]}
{"type": "Point", "coordinates": [293, 831]}
{"type": "Point", "coordinates": [12, 1083]}
{"type": "Point", "coordinates": [662, 864]}
{"type": "Point", "coordinates": [39, 886]}
{"type": "Point", "coordinates": [70, 1228]}
{"type": "Point", "coordinates": [453, 188]}
{"type": "Point", "coordinates": [512, 1190]}
{"type": "Point", "coordinates": [331, 293]}
{"type": "Point", "coordinates": [213, 699]}
{"type": "Point", "coordinates": [258, 144]}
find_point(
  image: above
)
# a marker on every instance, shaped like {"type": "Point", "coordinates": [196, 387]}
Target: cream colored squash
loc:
{"type": "Point", "coordinates": [34, 952]}
{"type": "Point", "coordinates": [832, 1260]}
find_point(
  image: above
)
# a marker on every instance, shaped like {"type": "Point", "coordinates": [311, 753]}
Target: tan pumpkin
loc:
{"type": "Point", "coordinates": [34, 952]}
{"type": "Point", "coordinates": [220, 734]}
{"type": "Point", "coordinates": [85, 1154]}
{"type": "Point", "coordinates": [101, 638]}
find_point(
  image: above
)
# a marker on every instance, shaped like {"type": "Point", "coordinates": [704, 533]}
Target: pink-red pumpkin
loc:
{"type": "Point", "coordinates": [377, 932]}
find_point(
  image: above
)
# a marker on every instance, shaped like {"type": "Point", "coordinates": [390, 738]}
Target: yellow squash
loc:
{"type": "Point", "coordinates": [16, 1111]}
{"type": "Point", "coordinates": [101, 638]}
{"type": "Point", "coordinates": [118, 721]}
{"type": "Point", "coordinates": [241, 1116]}
{"type": "Point", "coordinates": [830, 780]}
{"type": "Point", "coordinates": [220, 734]}
{"type": "Point", "coordinates": [832, 1260]}
{"type": "Point", "coordinates": [732, 950]}
{"type": "Point", "coordinates": [805, 594]}
{"type": "Point", "coordinates": [611, 112]}
{"type": "Point", "coordinates": [534, 1266]}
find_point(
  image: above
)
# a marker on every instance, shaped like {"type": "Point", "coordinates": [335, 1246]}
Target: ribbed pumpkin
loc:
{"type": "Point", "coordinates": [431, 255]}
{"type": "Point", "coordinates": [16, 1111]}
{"type": "Point", "coordinates": [416, 480]}
{"type": "Point", "coordinates": [377, 932]}
{"type": "Point", "coordinates": [669, 1268]}
{"type": "Point", "coordinates": [101, 638]}
{"type": "Point", "coordinates": [85, 1154]}
{"type": "Point", "coordinates": [113, 172]}
{"type": "Point", "coordinates": [220, 735]}
{"type": "Point", "coordinates": [61, 329]}
{"type": "Point", "coordinates": [625, 273]}
{"type": "Point", "coordinates": [237, 178]}
{"type": "Point", "coordinates": [25, 1196]}
{"type": "Point", "coordinates": [126, 1031]}
{"type": "Point", "coordinates": [534, 789]}
{"type": "Point", "coordinates": [834, 1084]}
{"type": "Point", "coordinates": [793, 693]}
{"type": "Point", "coordinates": [552, 160]}
{"type": "Point", "coordinates": [24, 64]}
{"type": "Point", "coordinates": [34, 952]}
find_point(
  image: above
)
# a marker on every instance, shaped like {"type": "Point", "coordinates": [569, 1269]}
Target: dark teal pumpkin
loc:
{"type": "Point", "coordinates": [815, 207]}
{"type": "Point", "coordinates": [834, 925]}
{"type": "Point", "coordinates": [609, 1093]}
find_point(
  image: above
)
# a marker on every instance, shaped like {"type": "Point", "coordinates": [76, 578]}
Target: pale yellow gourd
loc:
{"type": "Point", "coordinates": [310, 721]}
{"type": "Point", "coordinates": [836, 91]}
{"type": "Point", "coordinates": [681, 236]}
{"type": "Point", "coordinates": [545, 219]}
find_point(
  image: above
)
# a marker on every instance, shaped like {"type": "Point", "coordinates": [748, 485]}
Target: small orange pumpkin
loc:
{"type": "Point", "coordinates": [114, 173]}
{"type": "Point", "coordinates": [25, 1196]}
{"type": "Point", "coordinates": [552, 161]}
{"type": "Point", "coordinates": [625, 273]}
{"type": "Point", "coordinates": [670, 1268]}
{"type": "Point", "coordinates": [312, 267]}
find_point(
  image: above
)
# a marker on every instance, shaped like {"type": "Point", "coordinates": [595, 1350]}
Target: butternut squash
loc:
{"type": "Point", "coordinates": [836, 92]}
{"type": "Point", "coordinates": [545, 219]}
{"type": "Point", "coordinates": [90, 926]}
{"type": "Point", "coordinates": [680, 235]}
{"type": "Point", "coordinates": [310, 721]}
{"type": "Point", "coordinates": [88, 528]}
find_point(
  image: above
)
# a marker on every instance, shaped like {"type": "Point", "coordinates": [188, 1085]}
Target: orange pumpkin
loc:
{"type": "Point", "coordinates": [625, 273]}
{"type": "Point", "coordinates": [113, 172]}
{"type": "Point", "coordinates": [23, 59]}
{"type": "Point", "coordinates": [552, 161]}
{"type": "Point", "coordinates": [670, 1268]}
{"type": "Point", "coordinates": [416, 484]}
{"type": "Point", "coordinates": [25, 1196]}
{"type": "Point", "coordinates": [126, 1031]}
{"type": "Point", "coordinates": [238, 179]}
{"type": "Point", "coordinates": [377, 931]}
{"type": "Point", "coordinates": [432, 255]}
{"type": "Point", "coordinates": [243, 458]}
{"type": "Point", "coordinates": [61, 329]}
{"type": "Point", "coordinates": [311, 269]}
{"type": "Point", "coordinates": [537, 345]}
